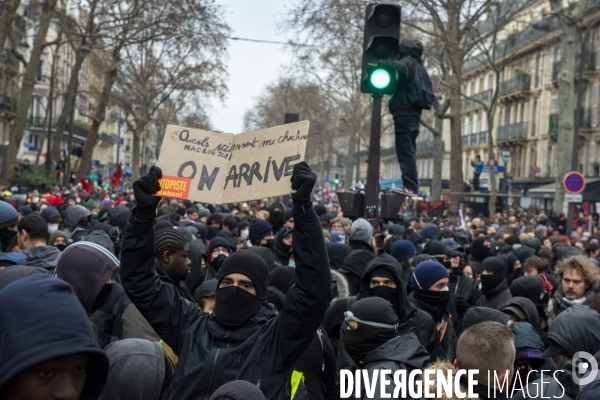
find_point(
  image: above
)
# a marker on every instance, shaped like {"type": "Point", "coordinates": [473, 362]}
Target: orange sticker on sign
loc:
{"type": "Point", "coordinates": [174, 187]}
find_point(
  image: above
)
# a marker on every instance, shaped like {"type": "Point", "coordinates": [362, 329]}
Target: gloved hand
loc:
{"type": "Point", "coordinates": [143, 190]}
{"type": "Point", "coordinates": [303, 180]}
{"type": "Point", "coordinates": [461, 305]}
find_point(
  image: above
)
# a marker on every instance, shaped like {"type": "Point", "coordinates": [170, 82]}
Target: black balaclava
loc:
{"type": "Point", "coordinates": [279, 245]}
{"type": "Point", "coordinates": [480, 252]}
{"type": "Point", "coordinates": [385, 292]}
{"type": "Point", "coordinates": [435, 302]}
{"type": "Point", "coordinates": [234, 306]}
{"type": "Point", "coordinates": [490, 282]}
{"type": "Point", "coordinates": [363, 340]}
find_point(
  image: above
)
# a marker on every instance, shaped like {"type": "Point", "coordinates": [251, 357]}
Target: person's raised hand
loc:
{"type": "Point", "coordinates": [143, 190]}
{"type": "Point", "coordinates": [303, 181]}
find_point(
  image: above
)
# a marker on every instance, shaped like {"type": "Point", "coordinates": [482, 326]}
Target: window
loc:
{"type": "Point", "coordinates": [478, 124]}
{"type": "Point", "coordinates": [34, 140]}
{"type": "Point", "coordinates": [536, 117]}
{"type": "Point", "coordinates": [595, 105]}
{"type": "Point", "coordinates": [490, 82]}
{"type": "Point", "coordinates": [540, 70]}
{"type": "Point", "coordinates": [40, 72]}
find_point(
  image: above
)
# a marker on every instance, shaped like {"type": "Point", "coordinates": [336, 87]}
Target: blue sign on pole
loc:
{"type": "Point", "coordinates": [327, 178]}
{"type": "Point", "coordinates": [486, 168]}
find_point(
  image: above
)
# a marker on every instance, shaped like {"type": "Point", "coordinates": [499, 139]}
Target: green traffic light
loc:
{"type": "Point", "coordinates": [380, 78]}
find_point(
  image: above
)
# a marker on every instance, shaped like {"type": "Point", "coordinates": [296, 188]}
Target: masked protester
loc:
{"type": "Point", "coordinates": [371, 341]}
{"type": "Point", "coordinates": [283, 246]}
{"type": "Point", "coordinates": [404, 251]}
{"type": "Point", "coordinates": [431, 294]}
{"type": "Point", "coordinates": [217, 250]}
{"type": "Point", "coordinates": [464, 289]}
{"type": "Point", "coordinates": [260, 233]}
{"type": "Point", "coordinates": [8, 224]}
{"type": "Point", "coordinates": [276, 216]}
{"type": "Point", "coordinates": [480, 250]}
{"type": "Point", "coordinates": [244, 338]}
{"type": "Point", "coordinates": [59, 240]}
{"type": "Point", "coordinates": [353, 268]}
{"type": "Point", "coordinates": [100, 296]}
{"type": "Point", "coordinates": [76, 222]}
{"type": "Point", "coordinates": [383, 278]}
{"type": "Point", "coordinates": [493, 283]}
{"type": "Point", "coordinates": [538, 289]}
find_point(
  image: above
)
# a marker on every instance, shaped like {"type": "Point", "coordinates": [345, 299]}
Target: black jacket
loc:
{"type": "Point", "coordinates": [461, 285]}
{"type": "Point", "coordinates": [410, 319]}
{"type": "Point", "coordinates": [264, 350]}
{"type": "Point", "coordinates": [411, 51]}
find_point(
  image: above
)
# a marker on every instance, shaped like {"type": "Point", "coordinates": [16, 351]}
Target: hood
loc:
{"type": "Point", "coordinates": [361, 231]}
{"type": "Point", "coordinates": [337, 254]}
{"type": "Point", "coordinates": [523, 307]}
{"type": "Point", "coordinates": [41, 256]}
{"type": "Point", "coordinates": [527, 337]}
{"type": "Point", "coordinates": [10, 274]}
{"type": "Point", "coordinates": [238, 390]}
{"type": "Point", "coordinates": [402, 349]}
{"type": "Point", "coordinates": [50, 212]}
{"type": "Point", "coordinates": [356, 262]}
{"type": "Point", "coordinates": [342, 286]}
{"type": "Point", "coordinates": [576, 329]}
{"type": "Point", "coordinates": [118, 216]}
{"type": "Point", "coordinates": [202, 230]}
{"type": "Point", "coordinates": [404, 306]}
{"type": "Point", "coordinates": [100, 238]}
{"type": "Point", "coordinates": [86, 266]}
{"type": "Point", "coordinates": [523, 253]}
{"type": "Point", "coordinates": [137, 370]}
{"type": "Point", "coordinates": [197, 275]}
{"type": "Point", "coordinates": [412, 48]}
{"type": "Point", "coordinates": [534, 243]}
{"type": "Point", "coordinates": [41, 319]}
{"type": "Point", "coordinates": [478, 251]}
{"type": "Point", "coordinates": [73, 214]}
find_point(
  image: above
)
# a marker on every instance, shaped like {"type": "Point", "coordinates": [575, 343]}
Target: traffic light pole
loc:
{"type": "Point", "coordinates": [372, 186]}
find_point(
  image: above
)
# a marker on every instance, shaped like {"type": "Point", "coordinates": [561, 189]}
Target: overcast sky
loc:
{"type": "Point", "coordinates": [251, 66]}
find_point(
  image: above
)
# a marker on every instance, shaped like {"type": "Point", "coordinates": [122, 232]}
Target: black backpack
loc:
{"type": "Point", "coordinates": [419, 92]}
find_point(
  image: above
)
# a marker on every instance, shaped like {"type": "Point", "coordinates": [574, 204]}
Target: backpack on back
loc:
{"type": "Point", "coordinates": [419, 92]}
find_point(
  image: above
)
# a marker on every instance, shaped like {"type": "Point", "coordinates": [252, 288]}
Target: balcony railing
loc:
{"type": "Point", "coordinates": [512, 131]}
{"type": "Point", "coordinates": [425, 146]}
{"type": "Point", "coordinates": [483, 137]}
{"type": "Point", "coordinates": [35, 122]}
{"type": "Point", "coordinates": [475, 100]}
{"type": "Point", "coordinates": [516, 84]}
{"type": "Point", "coordinates": [107, 138]}
{"type": "Point", "coordinates": [80, 131]}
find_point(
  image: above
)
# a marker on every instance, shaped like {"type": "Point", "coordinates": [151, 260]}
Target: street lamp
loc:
{"type": "Point", "coordinates": [544, 25]}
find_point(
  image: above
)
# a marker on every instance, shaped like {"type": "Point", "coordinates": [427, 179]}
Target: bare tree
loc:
{"type": "Point", "coordinates": [7, 16]}
{"type": "Point", "coordinates": [187, 62]}
{"type": "Point", "coordinates": [311, 103]}
{"type": "Point", "coordinates": [16, 134]}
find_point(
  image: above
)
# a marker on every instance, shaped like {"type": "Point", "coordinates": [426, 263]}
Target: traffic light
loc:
{"type": "Point", "coordinates": [381, 42]}
{"type": "Point", "coordinates": [336, 180]}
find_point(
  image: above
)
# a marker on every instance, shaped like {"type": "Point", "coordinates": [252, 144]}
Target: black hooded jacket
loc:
{"type": "Point", "coordinates": [410, 53]}
{"type": "Point", "coordinates": [264, 350]}
{"type": "Point", "coordinates": [410, 319]}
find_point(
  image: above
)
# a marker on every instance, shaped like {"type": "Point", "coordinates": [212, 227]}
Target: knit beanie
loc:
{"type": "Point", "coordinates": [427, 273]}
{"type": "Point", "coordinates": [361, 231]}
{"type": "Point", "coordinates": [56, 234]}
{"type": "Point", "coordinates": [396, 229]}
{"type": "Point", "coordinates": [249, 264]}
{"type": "Point", "coordinates": [403, 250]}
{"type": "Point", "coordinates": [430, 232]}
{"type": "Point", "coordinates": [259, 228]}
{"type": "Point", "coordinates": [327, 234]}
{"type": "Point", "coordinates": [496, 265]}
{"type": "Point", "coordinates": [8, 215]}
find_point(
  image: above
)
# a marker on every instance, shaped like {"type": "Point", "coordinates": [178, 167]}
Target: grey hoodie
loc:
{"type": "Point", "coordinates": [361, 231]}
{"type": "Point", "coordinates": [41, 256]}
{"type": "Point", "coordinates": [137, 370]}
{"type": "Point", "coordinates": [73, 215]}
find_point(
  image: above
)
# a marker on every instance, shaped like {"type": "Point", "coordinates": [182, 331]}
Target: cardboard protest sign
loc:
{"type": "Point", "coordinates": [215, 167]}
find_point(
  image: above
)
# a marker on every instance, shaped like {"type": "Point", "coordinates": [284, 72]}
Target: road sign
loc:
{"type": "Point", "coordinates": [327, 178]}
{"type": "Point", "coordinates": [573, 198]}
{"type": "Point", "coordinates": [505, 154]}
{"type": "Point", "coordinates": [574, 182]}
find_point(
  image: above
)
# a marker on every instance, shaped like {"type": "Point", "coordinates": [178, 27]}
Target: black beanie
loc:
{"type": "Point", "coordinates": [496, 265]}
{"type": "Point", "coordinates": [282, 278]}
{"type": "Point", "coordinates": [249, 264]}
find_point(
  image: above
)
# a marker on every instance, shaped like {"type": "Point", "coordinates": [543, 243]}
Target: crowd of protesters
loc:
{"type": "Point", "coordinates": [129, 296]}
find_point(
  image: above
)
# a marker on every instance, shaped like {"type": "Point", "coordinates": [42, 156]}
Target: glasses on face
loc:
{"type": "Point", "coordinates": [349, 316]}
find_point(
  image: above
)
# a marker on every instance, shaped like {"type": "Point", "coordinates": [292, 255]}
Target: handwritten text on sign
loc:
{"type": "Point", "coordinates": [225, 168]}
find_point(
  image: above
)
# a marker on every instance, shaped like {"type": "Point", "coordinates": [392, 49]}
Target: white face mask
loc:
{"type": "Point", "coordinates": [245, 233]}
{"type": "Point", "coordinates": [78, 200]}
{"type": "Point", "coordinates": [445, 289]}
{"type": "Point", "coordinates": [52, 228]}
